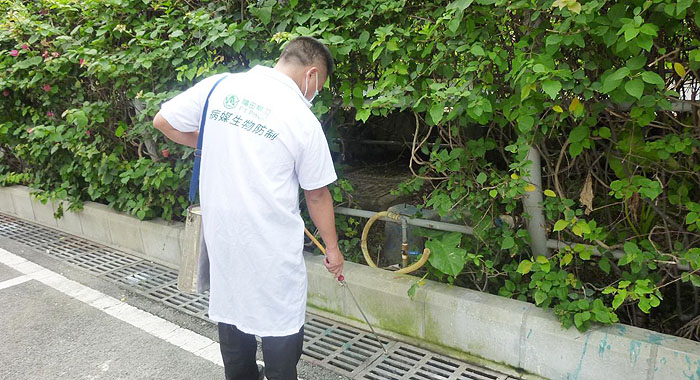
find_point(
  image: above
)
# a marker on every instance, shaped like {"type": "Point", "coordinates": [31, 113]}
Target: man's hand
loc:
{"type": "Point", "coordinates": [334, 261]}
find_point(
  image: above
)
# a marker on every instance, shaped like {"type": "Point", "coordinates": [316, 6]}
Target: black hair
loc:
{"type": "Point", "coordinates": [307, 51]}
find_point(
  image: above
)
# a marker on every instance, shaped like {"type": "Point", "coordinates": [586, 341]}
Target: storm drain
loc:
{"type": "Point", "coordinates": [339, 348]}
{"type": "Point", "coordinates": [406, 362]}
{"type": "Point", "coordinates": [346, 350]}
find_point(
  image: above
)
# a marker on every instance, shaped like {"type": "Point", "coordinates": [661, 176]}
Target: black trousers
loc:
{"type": "Point", "coordinates": [280, 353]}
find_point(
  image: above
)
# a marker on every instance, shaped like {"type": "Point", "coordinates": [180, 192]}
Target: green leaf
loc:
{"type": "Point", "coordinates": [610, 83]}
{"type": "Point", "coordinates": [551, 88]}
{"type": "Point", "coordinates": [560, 225]}
{"type": "Point", "coordinates": [604, 265]}
{"type": "Point", "coordinates": [540, 296]}
{"type": "Point", "coordinates": [363, 114]}
{"type": "Point", "coordinates": [33, 61]}
{"type": "Point", "coordinates": [621, 73]}
{"type": "Point", "coordinates": [477, 51]}
{"type": "Point", "coordinates": [604, 132]}
{"type": "Point", "coordinates": [579, 133]}
{"type": "Point", "coordinates": [525, 267]}
{"type": "Point", "coordinates": [636, 63]}
{"type": "Point", "coordinates": [507, 243]}
{"type": "Point", "coordinates": [649, 29]}
{"type": "Point", "coordinates": [631, 248]}
{"type": "Point", "coordinates": [550, 193]}
{"type": "Point", "coordinates": [626, 259]}
{"type": "Point", "coordinates": [630, 33]}
{"type": "Point", "coordinates": [80, 119]}
{"type": "Point", "coordinates": [602, 316]}
{"type": "Point", "coordinates": [618, 300]}
{"type": "Point", "coordinates": [653, 78]}
{"type": "Point", "coordinates": [436, 112]}
{"type": "Point", "coordinates": [680, 69]}
{"type": "Point", "coordinates": [575, 149]}
{"type": "Point", "coordinates": [460, 5]}
{"type": "Point", "coordinates": [525, 123]}
{"type": "Point", "coordinates": [446, 258]}
{"type": "Point", "coordinates": [635, 87]}
{"type": "Point", "coordinates": [566, 260]}
{"type": "Point", "coordinates": [481, 178]}
{"type": "Point", "coordinates": [583, 304]}
{"type": "Point", "coordinates": [265, 14]}
{"type": "Point", "coordinates": [412, 290]}
{"type": "Point", "coordinates": [581, 318]}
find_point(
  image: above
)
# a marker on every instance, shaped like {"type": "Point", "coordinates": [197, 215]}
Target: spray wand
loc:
{"type": "Point", "coordinates": [341, 279]}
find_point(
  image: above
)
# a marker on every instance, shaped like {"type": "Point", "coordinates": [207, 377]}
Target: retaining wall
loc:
{"type": "Point", "coordinates": [516, 336]}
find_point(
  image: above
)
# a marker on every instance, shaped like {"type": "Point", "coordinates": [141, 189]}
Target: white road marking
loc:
{"type": "Point", "coordinates": [14, 281]}
{"type": "Point", "coordinates": [186, 339]}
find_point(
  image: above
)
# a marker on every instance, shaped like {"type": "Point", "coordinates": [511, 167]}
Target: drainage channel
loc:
{"type": "Point", "coordinates": [343, 349]}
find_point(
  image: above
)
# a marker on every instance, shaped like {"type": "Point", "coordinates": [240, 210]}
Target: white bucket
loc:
{"type": "Point", "coordinates": [193, 276]}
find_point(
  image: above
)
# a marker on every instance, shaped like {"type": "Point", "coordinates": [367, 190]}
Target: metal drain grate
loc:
{"type": "Point", "coordinates": [195, 304]}
{"type": "Point", "coordinates": [142, 276]}
{"type": "Point", "coordinates": [406, 362]}
{"type": "Point", "coordinates": [339, 348]}
{"type": "Point", "coordinates": [343, 349]}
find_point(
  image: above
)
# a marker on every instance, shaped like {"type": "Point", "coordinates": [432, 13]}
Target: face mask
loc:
{"type": "Point", "coordinates": [306, 86]}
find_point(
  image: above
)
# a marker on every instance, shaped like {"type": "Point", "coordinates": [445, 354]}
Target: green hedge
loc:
{"type": "Point", "coordinates": [592, 85]}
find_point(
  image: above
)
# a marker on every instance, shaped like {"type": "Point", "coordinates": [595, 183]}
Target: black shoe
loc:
{"type": "Point", "coordinates": [261, 372]}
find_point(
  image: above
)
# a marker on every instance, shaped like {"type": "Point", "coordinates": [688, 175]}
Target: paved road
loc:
{"type": "Point", "coordinates": [58, 322]}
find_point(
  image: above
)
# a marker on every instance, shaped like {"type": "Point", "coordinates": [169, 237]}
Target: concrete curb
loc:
{"type": "Point", "coordinates": [156, 240]}
{"type": "Point", "coordinates": [455, 321]}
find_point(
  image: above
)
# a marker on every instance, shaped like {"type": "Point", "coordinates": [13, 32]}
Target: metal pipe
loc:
{"type": "Point", "coordinates": [435, 225]}
{"type": "Point", "coordinates": [387, 142]}
{"type": "Point", "coordinates": [532, 203]}
{"type": "Point", "coordinates": [449, 227]}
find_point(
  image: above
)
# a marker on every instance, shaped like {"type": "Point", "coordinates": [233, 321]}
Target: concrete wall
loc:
{"type": "Point", "coordinates": [155, 240]}
{"type": "Point", "coordinates": [455, 321]}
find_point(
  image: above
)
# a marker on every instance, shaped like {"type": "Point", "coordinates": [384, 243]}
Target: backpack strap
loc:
{"type": "Point", "coordinates": [194, 181]}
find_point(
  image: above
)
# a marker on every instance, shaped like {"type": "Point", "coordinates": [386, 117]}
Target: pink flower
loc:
{"type": "Point", "coordinates": [25, 47]}
{"type": "Point", "coordinates": [6, 92]}
{"type": "Point", "coordinates": [82, 61]}
{"type": "Point", "coordinates": [14, 53]}
{"type": "Point", "coordinates": [55, 54]}
{"type": "Point", "coordinates": [87, 132]}
{"type": "Point", "coordinates": [45, 54]}
{"type": "Point", "coordinates": [49, 114]}
{"type": "Point", "coordinates": [47, 88]}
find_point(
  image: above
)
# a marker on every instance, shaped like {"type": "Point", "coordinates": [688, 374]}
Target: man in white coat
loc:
{"type": "Point", "coordinates": [261, 143]}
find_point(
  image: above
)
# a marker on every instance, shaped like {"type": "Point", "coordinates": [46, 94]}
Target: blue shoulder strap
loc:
{"type": "Point", "coordinates": [194, 181]}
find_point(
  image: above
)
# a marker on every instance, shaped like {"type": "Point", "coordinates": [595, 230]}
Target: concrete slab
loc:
{"type": "Point", "coordinates": [22, 202]}
{"type": "Point", "coordinates": [125, 231]}
{"type": "Point", "coordinates": [161, 240]}
{"type": "Point", "coordinates": [550, 351]}
{"type": "Point", "coordinates": [675, 358]}
{"type": "Point", "coordinates": [43, 213]}
{"type": "Point", "coordinates": [94, 221]}
{"type": "Point", "coordinates": [478, 323]}
{"type": "Point", "coordinates": [7, 273]}
{"type": "Point", "coordinates": [65, 338]}
{"type": "Point", "coordinates": [6, 204]}
{"type": "Point", "coordinates": [69, 221]}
